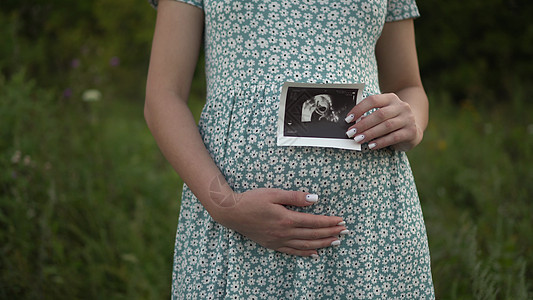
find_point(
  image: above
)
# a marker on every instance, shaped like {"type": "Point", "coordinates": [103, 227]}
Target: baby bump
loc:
{"type": "Point", "coordinates": [239, 129]}
{"type": "Point", "coordinates": [373, 191]}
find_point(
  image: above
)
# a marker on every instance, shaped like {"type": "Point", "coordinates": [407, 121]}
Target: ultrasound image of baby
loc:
{"type": "Point", "coordinates": [318, 108]}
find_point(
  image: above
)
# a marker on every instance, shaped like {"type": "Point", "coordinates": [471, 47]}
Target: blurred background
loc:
{"type": "Point", "coordinates": [88, 205]}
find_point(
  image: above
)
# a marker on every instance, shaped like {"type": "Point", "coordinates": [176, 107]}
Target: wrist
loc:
{"type": "Point", "coordinates": [410, 143]}
{"type": "Point", "coordinates": [220, 199]}
{"type": "Point", "coordinates": [224, 208]}
{"type": "Point", "coordinates": [419, 135]}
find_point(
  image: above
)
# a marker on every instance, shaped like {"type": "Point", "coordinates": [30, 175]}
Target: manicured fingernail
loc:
{"type": "Point", "coordinates": [359, 138]}
{"type": "Point", "coordinates": [341, 223]}
{"type": "Point", "coordinates": [350, 133]}
{"type": "Point", "coordinates": [349, 118]}
{"type": "Point", "coordinates": [314, 256]}
{"type": "Point", "coordinates": [344, 232]}
{"type": "Point", "coordinates": [311, 198]}
{"type": "Point", "coordinates": [335, 243]}
{"type": "Point", "coordinates": [371, 145]}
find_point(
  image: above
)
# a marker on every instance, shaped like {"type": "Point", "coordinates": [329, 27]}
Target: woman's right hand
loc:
{"type": "Point", "coordinates": [261, 216]}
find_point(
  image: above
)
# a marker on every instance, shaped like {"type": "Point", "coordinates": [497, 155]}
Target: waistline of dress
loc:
{"type": "Point", "coordinates": [216, 91]}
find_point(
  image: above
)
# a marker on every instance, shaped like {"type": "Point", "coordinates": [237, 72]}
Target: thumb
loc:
{"type": "Point", "coordinates": [297, 198]}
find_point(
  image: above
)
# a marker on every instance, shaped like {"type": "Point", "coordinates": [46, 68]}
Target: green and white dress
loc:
{"type": "Point", "coordinates": [253, 47]}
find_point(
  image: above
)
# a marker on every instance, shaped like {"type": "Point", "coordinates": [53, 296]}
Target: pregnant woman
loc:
{"type": "Point", "coordinates": [258, 221]}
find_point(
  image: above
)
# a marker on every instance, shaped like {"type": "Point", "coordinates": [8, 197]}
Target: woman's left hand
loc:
{"type": "Point", "coordinates": [393, 124]}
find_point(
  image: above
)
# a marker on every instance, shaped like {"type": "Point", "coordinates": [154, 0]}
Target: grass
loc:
{"type": "Point", "coordinates": [88, 206]}
{"type": "Point", "coordinates": [87, 202]}
{"type": "Point", "coordinates": [474, 174]}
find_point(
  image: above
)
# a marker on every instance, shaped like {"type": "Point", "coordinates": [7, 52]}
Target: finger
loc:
{"type": "Point", "coordinates": [370, 102]}
{"type": "Point", "coordinates": [374, 119]}
{"type": "Point", "coordinates": [380, 130]}
{"type": "Point", "coordinates": [390, 139]}
{"type": "Point", "coordinates": [295, 198]}
{"type": "Point", "coordinates": [313, 244]}
{"type": "Point", "coordinates": [316, 233]}
{"type": "Point", "coordinates": [306, 220]}
{"type": "Point", "coordinates": [298, 252]}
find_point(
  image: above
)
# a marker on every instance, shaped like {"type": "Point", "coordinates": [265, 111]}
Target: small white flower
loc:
{"type": "Point", "coordinates": [91, 95]}
{"type": "Point", "coordinates": [27, 160]}
{"type": "Point", "coordinates": [16, 157]}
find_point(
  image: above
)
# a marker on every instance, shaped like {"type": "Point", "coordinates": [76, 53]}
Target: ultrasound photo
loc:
{"type": "Point", "coordinates": [313, 114]}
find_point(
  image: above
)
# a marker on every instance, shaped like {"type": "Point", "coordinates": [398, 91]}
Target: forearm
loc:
{"type": "Point", "coordinates": [399, 74]}
{"type": "Point", "coordinates": [175, 131]}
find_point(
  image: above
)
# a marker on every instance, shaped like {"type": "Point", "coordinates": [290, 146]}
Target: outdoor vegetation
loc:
{"type": "Point", "coordinates": [88, 205]}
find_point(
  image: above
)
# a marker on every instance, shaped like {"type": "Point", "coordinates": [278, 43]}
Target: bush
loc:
{"type": "Point", "coordinates": [62, 44]}
{"type": "Point", "coordinates": [476, 50]}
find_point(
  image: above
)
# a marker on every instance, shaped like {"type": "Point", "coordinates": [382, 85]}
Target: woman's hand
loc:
{"type": "Point", "coordinates": [261, 216]}
{"type": "Point", "coordinates": [393, 124]}
{"type": "Point", "coordinates": [402, 113]}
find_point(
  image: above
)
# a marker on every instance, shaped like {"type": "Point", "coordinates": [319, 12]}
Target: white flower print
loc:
{"type": "Point", "coordinates": [252, 47]}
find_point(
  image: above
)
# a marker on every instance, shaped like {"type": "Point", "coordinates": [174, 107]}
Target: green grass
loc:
{"type": "Point", "coordinates": [474, 172]}
{"type": "Point", "coordinates": [88, 206]}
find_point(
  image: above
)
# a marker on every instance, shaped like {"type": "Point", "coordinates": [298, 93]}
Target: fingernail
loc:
{"type": "Point", "coordinates": [335, 243]}
{"type": "Point", "coordinates": [349, 118]}
{"type": "Point", "coordinates": [314, 256]}
{"type": "Point", "coordinates": [372, 145]}
{"type": "Point", "coordinates": [359, 138]}
{"type": "Point", "coordinates": [345, 232]}
{"type": "Point", "coordinates": [341, 223]}
{"type": "Point", "coordinates": [311, 198]}
{"type": "Point", "coordinates": [350, 133]}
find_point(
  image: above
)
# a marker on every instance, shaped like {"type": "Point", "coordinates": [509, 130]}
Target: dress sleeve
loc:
{"type": "Point", "coordinates": [197, 3]}
{"type": "Point", "coordinates": [398, 10]}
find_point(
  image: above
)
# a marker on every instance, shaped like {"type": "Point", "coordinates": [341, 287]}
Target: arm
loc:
{"type": "Point", "coordinates": [258, 214]}
{"type": "Point", "coordinates": [172, 64]}
{"type": "Point", "coordinates": [403, 114]}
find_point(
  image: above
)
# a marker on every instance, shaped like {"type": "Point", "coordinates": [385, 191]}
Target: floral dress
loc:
{"type": "Point", "coordinates": [253, 47]}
